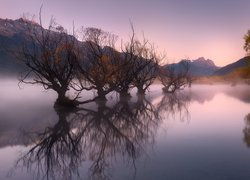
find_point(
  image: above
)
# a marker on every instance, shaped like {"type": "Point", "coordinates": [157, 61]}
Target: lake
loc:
{"type": "Point", "coordinates": [200, 133]}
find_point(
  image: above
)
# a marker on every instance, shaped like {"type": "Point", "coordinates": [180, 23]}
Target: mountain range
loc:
{"type": "Point", "coordinates": [13, 32]}
{"type": "Point", "coordinates": [197, 67]}
{"type": "Point", "coordinates": [243, 62]}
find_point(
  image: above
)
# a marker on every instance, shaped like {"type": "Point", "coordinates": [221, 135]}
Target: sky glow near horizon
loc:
{"type": "Point", "coordinates": [182, 29]}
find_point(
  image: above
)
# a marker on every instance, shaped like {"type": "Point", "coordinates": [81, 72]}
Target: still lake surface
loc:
{"type": "Point", "coordinates": [200, 133]}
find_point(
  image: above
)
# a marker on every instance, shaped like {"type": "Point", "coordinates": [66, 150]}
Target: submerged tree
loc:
{"type": "Point", "coordinates": [247, 42]}
{"type": "Point", "coordinates": [138, 66]}
{"type": "Point", "coordinates": [174, 78]}
{"type": "Point", "coordinates": [97, 67]}
{"type": "Point", "coordinates": [50, 56]}
{"type": "Point", "coordinates": [57, 60]}
{"type": "Point", "coordinates": [149, 61]}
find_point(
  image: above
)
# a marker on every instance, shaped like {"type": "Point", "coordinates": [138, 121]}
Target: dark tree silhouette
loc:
{"type": "Point", "coordinates": [146, 76]}
{"type": "Point", "coordinates": [59, 61]}
{"type": "Point", "coordinates": [138, 63]}
{"type": "Point", "coordinates": [97, 66]}
{"type": "Point", "coordinates": [247, 42]}
{"type": "Point", "coordinates": [175, 79]}
{"type": "Point", "coordinates": [50, 56]}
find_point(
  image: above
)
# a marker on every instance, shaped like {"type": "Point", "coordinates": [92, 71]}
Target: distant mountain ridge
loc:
{"type": "Point", "coordinates": [198, 67]}
{"type": "Point", "coordinates": [243, 62]}
{"type": "Point", "coordinates": [13, 32]}
{"type": "Point", "coordinates": [10, 27]}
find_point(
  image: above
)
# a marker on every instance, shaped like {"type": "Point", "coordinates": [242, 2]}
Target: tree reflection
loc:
{"type": "Point", "coordinates": [56, 151]}
{"type": "Point", "coordinates": [173, 104]}
{"type": "Point", "coordinates": [246, 130]}
{"type": "Point", "coordinates": [100, 135]}
{"type": "Point", "coordinates": [124, 129]}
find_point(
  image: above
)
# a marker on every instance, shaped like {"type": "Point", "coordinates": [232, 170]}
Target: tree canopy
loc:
{"type": "Point", "coordinates": [247, 42]}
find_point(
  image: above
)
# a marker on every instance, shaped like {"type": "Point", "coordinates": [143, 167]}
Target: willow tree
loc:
{"type": "Point", "coordinates": [247, 42]}
{"type": "Point", "coordinates": [173, 78]}
{"type": "Point", "coordinates": [97, 65]}
{"type": "Point", "coordinates": [138, 64]}
{"type": "Point", "coordinates": [50, 56]}
{"type": "Point", "coordinates": [149, 64]}
{"type": "Point", "coordinates": [246, 71]}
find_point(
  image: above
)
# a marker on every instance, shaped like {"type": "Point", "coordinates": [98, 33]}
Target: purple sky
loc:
{"type": "Point", "coordinates": [182, 28]}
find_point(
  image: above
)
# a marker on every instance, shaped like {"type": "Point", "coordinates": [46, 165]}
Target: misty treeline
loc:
{"type": "Point", "coordinates": [89, 59]}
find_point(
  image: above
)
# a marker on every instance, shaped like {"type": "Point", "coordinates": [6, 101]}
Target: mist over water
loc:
{"type": "Point", "coordinates": [199, 133]}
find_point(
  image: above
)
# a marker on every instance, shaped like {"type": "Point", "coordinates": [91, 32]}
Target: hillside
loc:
{"type": "Point", "coordinates": [244, 62]}
{"type": "Point", "coordinates": [198, 67]}
{"type": "Point", "coordinates": [12, 34]}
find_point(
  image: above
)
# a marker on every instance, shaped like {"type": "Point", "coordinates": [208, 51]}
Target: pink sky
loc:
{"type": "Point", "coordinates": [182, 28]}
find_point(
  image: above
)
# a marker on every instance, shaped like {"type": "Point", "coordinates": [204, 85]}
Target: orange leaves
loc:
{"type": "Point", "coordinates": [63, 50]}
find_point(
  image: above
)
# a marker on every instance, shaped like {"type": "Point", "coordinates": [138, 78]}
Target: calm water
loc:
{"type": "Point", "coordinates": [200, 133]}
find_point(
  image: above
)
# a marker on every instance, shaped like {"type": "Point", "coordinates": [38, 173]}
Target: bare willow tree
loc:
{"type": "Point", "coordinates": [96, 67]}
{"type": "Point", "coordinates": [58, 61]}
{"type": "Point", "coordinates": [175, 78]}
{"type": "Point", "coordinates": [104, 69]}
{"type": "Point", "coordinates": [247, 42]}
{"type": "Point", "coordinates": [138, 64]}
{"type": "Point", "coordinates": [50, 56]}
{"type": "Point", "coordinates": [149, 61]}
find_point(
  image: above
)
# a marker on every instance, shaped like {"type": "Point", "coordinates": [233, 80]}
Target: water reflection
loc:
{"type": "Point", "coordinates": [99, 134]}
{"type": "Point", "coordinates": [55, 149]}
{"type": "Point", "coordinates": [101, 141]}
{"type": "Point", "coordinates": [239, 92]}
{"type": "Point", "coordinates": [90, 141]}
{"type": "Point", "coordinates": [246, 130]}
{"type": "Point", "coordinates": [172, 105]}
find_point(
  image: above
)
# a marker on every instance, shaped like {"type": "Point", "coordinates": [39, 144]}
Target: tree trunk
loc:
{"type": "Point", "coordinates": [63, 100]}
{"type": "Point", "coordinates": [140, 90]}
{"type": "Point", "coordinates": [169, 89]}
{"type": "Point", "coordinates": [124, 92]}
{"type": "Point", "coordinates": [101, 94]}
